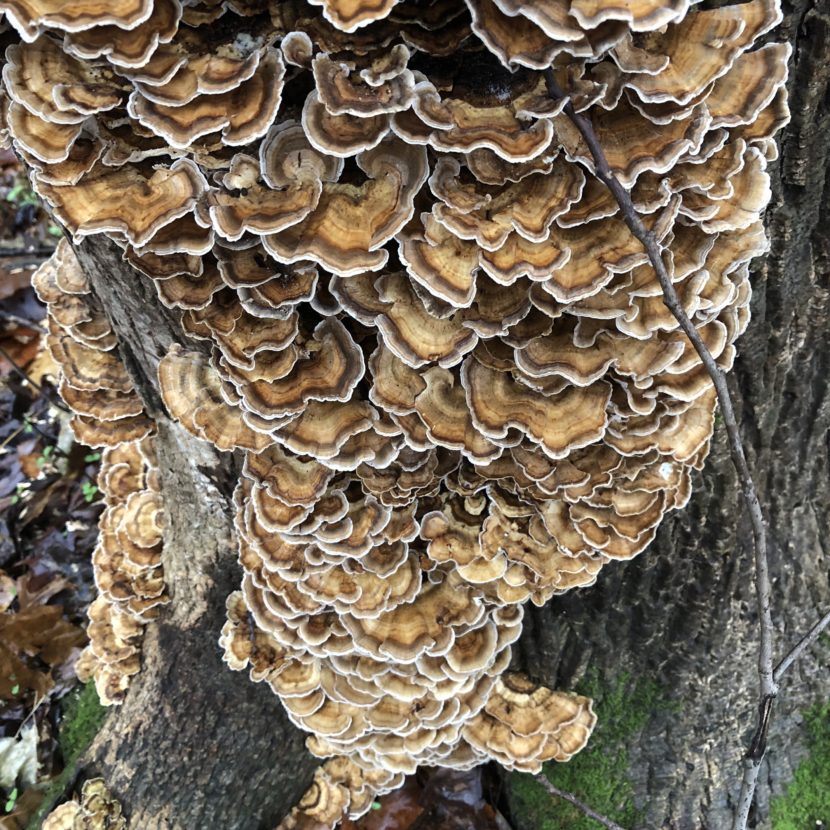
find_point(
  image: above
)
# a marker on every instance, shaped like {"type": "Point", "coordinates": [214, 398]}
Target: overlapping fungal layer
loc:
{"type": "Point", "coordinates": [418, 311]}
{"type": "Point", "coordinates": [127, 568]}
{"type": "Point", "coordinates": [96, 809]}
{"type": "Point", "coordinates": [93, 381]}
{"type": "Point", "coordinates": [108, 414]}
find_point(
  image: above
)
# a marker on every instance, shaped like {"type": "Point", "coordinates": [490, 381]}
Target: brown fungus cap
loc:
{"type": "Point", "coordinates": [348, 15]}
{"type": "Point", "coordinates": [56, 86]}
{"type": "Point", "coordinates": [135, 201]}
{"type": "Point", "coordinates": [47, 142]}
{"type": "Point", "coordinates": [331, 369]}
{"type": "Point", "coordinates": [395, 510]}
{"type": "Point", "coordinates": [524, 725]}
{"type": "Point", "coordinates": [297, 49]}
{"type": "Point", "coordinates": [341, 135]}
{"type": "Point", "coordinates": [127, 46]}
{"type": "Point", "coordinates": [97, 809]}
{"type": "Point", "coordinates": [351, 223]}
{"type": "Point", "coordinates": [191, 390]}
{"type": "Point", "coordinates": [87, 368]}
{"type": "Point", "coordinates": [427, 625]}
{"type": "Point", "coordinates": [343, 91]}
{"type": "Point", "coordinates": [517, 128]}
{"type": "Point", "coordinates": [30, 17]}
{"type": "Point", "coordinates": [632, 143]}
{"type": "Point", "coordinates": [245, 204]}
{"type": "Point", "coordinates": [242, 114]}
{"type": "Point", "coordinates": [559, 423]}
{"type": "Point", "coordinates": [702, 47]}
{"type": "Point", "coordinates": [291, 479]}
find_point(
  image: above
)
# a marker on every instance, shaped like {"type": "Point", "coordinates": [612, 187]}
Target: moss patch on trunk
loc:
{"type": "Point", "coordinates": [83, 717]}
{"type": "Point", "coordinates": [806, 803]}
{"type": "Point", "coordinates": [599, 774]}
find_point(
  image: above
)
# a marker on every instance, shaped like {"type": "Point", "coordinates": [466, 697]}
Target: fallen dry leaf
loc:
{"type": "Point", "coordinates": [14, 279]}
{"type": "Point", "coordinates": [22, 346]}
{"type": "Point", "coordinates": [24, 808]}
{"type": "Point", "coordinates": [442, 799]}
{"type": "Point", "coordinates": [30, 638]}
{"type": "Point", "coordinates": [8, 591]}
{"type": "Point", "coordinates": [397, 811]}
{"type": "Point", "coordinates": [38, 588]}
{"type": "Point", "coordinates": [18, 758]}
{"type": "Point", "coordinates": [43, 365]}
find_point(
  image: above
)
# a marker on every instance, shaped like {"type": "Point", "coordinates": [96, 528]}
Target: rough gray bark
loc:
{"type": "Point", "coordinates": [196, 745]}
{"type": "Point", "coordinates": [683, 614]}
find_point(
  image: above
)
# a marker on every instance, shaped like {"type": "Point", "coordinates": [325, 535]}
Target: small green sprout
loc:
{"type": "Point", "coordinates": [19, 491]}
{"type": "Point", "coordinates": [89, 490]}
{"type": "Point", "coordinates": [45, 457]}
{"type": "Point", "coordinates": [11, 800]}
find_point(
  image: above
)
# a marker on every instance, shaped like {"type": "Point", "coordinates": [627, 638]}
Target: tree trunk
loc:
{"type": "Point", "coordinates": [684, 614]}
{"type": "Point", "coordinates": [197, 746]}
{"type": "Point", "coordinates": [194, 745]}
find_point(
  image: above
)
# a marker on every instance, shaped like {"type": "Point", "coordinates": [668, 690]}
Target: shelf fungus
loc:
{"type": "Point", "coordinates": [417, 314]}
{"type": "Point", "coordinates": [108, 414]}
{"type": "Point", "coordinates": [96, 808]}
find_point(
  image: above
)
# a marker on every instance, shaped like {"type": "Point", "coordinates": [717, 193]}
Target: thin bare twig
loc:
{"type": "Point", "coordinates": [763, 590]}
{"type": "Point", "coordinates": [801, 646]}
{"type": "Point", "coordinates": [584, 808]}
{"type": "Point", "coordinates": [24, 375]}
{"type": "Point", "coordinates": [22, 321]}
{"type": "Point", "coordinates": [36, 255]}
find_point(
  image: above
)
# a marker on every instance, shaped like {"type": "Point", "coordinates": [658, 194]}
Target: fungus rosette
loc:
{"type": "Point", "coordinates": [417, 312]}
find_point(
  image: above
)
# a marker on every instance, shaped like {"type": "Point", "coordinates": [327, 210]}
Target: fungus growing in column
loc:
{"type": "Point", "coordinates": [108, 414]}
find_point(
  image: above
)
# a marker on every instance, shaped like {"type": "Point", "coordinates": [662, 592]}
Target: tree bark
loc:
{"type": "Point", "coordinates": [194, 745]}
{"type": "Point", "coordinates": [198, 746]}
{"type": "Point", "coordinates": [683, 614]}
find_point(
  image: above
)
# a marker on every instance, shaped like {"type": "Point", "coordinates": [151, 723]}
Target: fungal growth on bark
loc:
{"type": "Point", "coordinates": [109, 415]}
{"type": "Point", "coordinates": [97, 808]}
{"type": "Point", "coordinates": [417, 313]}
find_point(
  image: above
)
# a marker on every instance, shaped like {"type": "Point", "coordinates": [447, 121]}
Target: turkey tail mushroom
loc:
{"type": "Point", "coordinates": [420, 317]}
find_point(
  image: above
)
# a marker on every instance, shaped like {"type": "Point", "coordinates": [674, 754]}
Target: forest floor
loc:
{"type": "Point", "coordinates": [49, 507]}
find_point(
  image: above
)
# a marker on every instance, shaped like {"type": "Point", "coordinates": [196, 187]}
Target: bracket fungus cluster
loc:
{"type": "Point", "coordinates": [97, 809]}
{"type": "Point", "coordinates": [417, 312]}
{"type": "Point", "coordinates": [110, 415]}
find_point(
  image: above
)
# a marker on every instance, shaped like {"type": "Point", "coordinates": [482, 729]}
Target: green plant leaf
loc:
{"type": "Point", "coordinates": [11, 800]}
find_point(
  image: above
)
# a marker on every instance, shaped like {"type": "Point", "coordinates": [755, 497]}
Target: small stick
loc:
{"type": "Point", "coordinates": [36, 255]}
{"type": "Point", "coordinates": [23, 374]}
{"type": "Point", "coordinates": [801, 646]}
{"type": "Point", "coordinates": [582, 807]}
{"type": "Point", "coordinates": [22, 321]}
{"type": "Point", "coordinates": [763, 588]}
{"type": "Point", "coordinates": [25, 322]}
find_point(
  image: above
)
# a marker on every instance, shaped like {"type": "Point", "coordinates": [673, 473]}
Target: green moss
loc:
{"type": "Point", "coordinates": [83, 716]}
{"type": "Point", "coordinates": [807, 800]}
{"type": "Point", "coordinates": [599, 774]}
